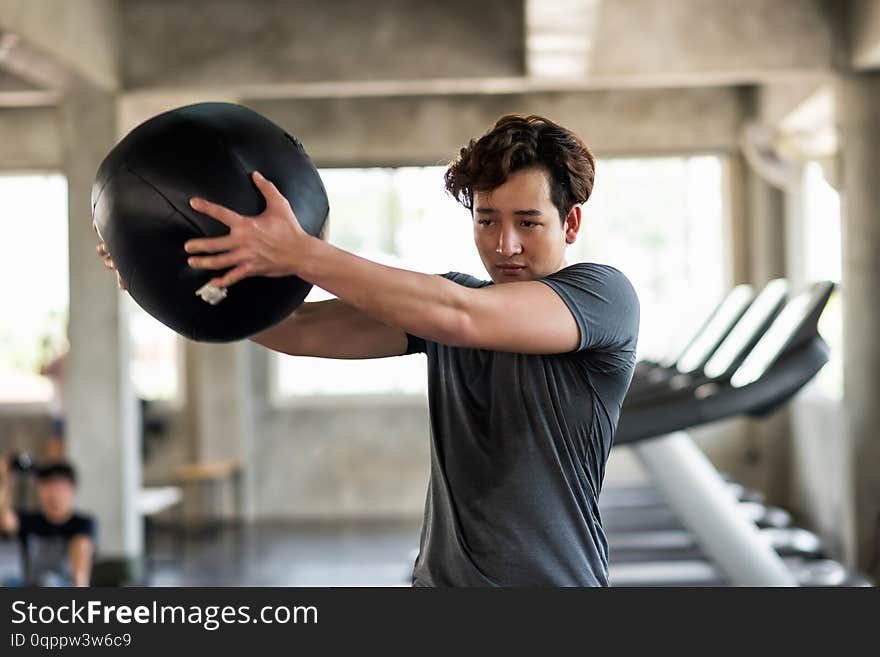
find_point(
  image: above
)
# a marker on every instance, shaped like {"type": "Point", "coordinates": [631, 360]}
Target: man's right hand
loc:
{"type": "Point", "coordinates": [104, 254]}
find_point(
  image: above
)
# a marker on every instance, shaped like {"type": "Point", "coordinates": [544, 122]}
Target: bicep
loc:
{"type": "Point", "coordinates": [333, 329]}
{"type": "Point", "coordinates": [527, 317]}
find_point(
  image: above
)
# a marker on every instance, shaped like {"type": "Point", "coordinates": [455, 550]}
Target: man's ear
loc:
{"type": "Point", "coordinates": [572, 224]}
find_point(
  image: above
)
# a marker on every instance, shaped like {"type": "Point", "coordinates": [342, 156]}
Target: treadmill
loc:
{"type": "Point", "coordinates": [699, 348]}
{"type": "Point", "coordinates": [753, 380]}
{"type": "Point", "coordinates": [715, 350]}
{"type": "Point", "coordinates": [719, 361]}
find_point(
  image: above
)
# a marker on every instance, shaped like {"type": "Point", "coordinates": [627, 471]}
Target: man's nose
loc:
{"type": "Point", "coordinates": [508, 244]}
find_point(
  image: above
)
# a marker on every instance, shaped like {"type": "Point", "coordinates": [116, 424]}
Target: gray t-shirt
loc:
{"type": "Point", "coordinates": [519, 444]}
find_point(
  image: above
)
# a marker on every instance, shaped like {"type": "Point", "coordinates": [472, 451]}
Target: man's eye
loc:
{"type": "Point", "coordinates": [484, 222]}
{"type": "Point", "coordinates": [527, 224]}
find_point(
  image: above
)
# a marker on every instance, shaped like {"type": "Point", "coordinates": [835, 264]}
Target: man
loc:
{"type": "Point", "coordinates": [527, 372]}
{"type": "Point", "coordinates": [56, 543]}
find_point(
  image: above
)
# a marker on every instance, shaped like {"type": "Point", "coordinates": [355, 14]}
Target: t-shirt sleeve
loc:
{"type": "Point", "coordinates": [83, 525]}
{"type": "Point", "coordinates": [603, 303]}
{"type": "Point", "coordinates": [415, 344]}
{"type": "Point", "coordinates": [25, 523]}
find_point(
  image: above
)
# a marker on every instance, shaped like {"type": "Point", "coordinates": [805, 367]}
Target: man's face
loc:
{"type": "Point", "coordinates": [56, 497]}
{"type": "Point", "coordinates": [517, 228]}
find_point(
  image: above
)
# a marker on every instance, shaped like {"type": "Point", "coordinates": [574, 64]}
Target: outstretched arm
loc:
{"type": "Point", "coordinates": [524, 317]}
{"type": "Point", "coordinates": [79, 552]}
{"type": "Point", "coordinates": [328, 329]}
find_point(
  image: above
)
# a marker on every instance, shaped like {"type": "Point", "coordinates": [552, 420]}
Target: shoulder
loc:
{"type": "Point", "coordinates": [81, 523]}
{"type": "Point", "coordinates": [465, 279]}
{"type": "Point", "coordinates": [594, 271]}
{"type": "Point", "coordinates": [596, 279]}
{"type": "Point", "coordinates": [603, 303]}
{"type": "Point", "coordinates": [27, 521]}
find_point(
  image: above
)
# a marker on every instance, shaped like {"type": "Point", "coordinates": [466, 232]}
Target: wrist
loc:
{"type": "Point", "coordinates": [304, 263]}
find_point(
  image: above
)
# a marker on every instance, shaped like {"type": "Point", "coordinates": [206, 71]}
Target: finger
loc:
{"type": "Point", "coordinates": [108, 263]}
{"type": "Point", "coordinates": [119, 282]}
{"type": "Point", "coordinates": [269, 190]}
{"type": "Point", "coordinates": [222, 261]}
{"type": "Point", "coordinates": [232, 277]}
{"type": "Point", "coordinates": [209, 244]}
{"type": "Point", "coordinates": [220, 213]}
{"type": "Point", "coordinates": [102, 249]}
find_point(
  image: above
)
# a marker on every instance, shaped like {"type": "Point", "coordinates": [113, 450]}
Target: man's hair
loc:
{"type": "Point", "coordinates": [59, 469]}
{"type": "Point", "coordinates": [519, 142]}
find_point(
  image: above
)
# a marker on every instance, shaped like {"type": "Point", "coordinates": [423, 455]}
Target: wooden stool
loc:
{"type": "Point", "coordinates": [212, 477]}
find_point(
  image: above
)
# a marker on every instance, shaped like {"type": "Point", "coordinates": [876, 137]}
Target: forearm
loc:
{"type": "Point", "coordinates": [8, 517]}
{"type": "Point", "coordinates": [332, 329]}
{"type": "Point", "coordinates": [288, 335]}
{"type": "Point", "coordinates": [422, 304]}
{"type": "Point", "coordinates": [8, 521]}
{"type": "Point", "coordinates": [80, 555]}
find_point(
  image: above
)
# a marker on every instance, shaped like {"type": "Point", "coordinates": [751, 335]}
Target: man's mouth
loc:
{"type": "Point", "coordinates": [511, 268]}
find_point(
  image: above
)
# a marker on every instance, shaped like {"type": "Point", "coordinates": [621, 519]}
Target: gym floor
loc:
{"type": "Point", "coordinates": [287, 554]}
{"type": "Point", "coordinates": [273, 553]}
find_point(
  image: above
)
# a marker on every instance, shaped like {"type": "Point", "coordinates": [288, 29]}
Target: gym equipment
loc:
{"type": "Point", "coordinates": [742, 329]}
{"type": "Point", "coordinates": [700, 347]}
{"type": "Point", "coordinates": [639, 522]}
{"type": "Point", "coordinates": [634, 497]}
{"type": "Point", "coordinates": [782, 359]}
{"type": "Point", "coordinates": [140, 207]}
{"type": "Point", "coordinates": [753, 379]}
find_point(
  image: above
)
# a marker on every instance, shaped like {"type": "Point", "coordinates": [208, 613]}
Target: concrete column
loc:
{"type": "Point", "coordinates": [858, 116]}
{"type": "Point", "coordinates": [770, 437]}
{"type": "Point", "coordinates": [766, 207]}
{"type": "Point", "coordinates": [101, 409]}
{"type": "Point", "coordinates": [767, 451]}
{"type": "Point", "coordinates": [736, 225]}
{"type": "Point", "coordinates": [219, 417]}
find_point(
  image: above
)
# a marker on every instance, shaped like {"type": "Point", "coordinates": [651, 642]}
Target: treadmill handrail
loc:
{"type": "Point", "coordinates": [700, 349]}
{"type": "Point", "coordinates": [747, 330]}
{"type": "Point", "coordinates": [803, 311]}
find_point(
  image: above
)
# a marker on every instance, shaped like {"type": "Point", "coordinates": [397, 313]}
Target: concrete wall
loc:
{"type": "Point", "coordinates": [30, 139]}
{"type": "Point", "coordinates": [274, 41]}
{"type": "Point", "coordinates": [354, 459]}
{"type": "Point", "coordinates": [83, 34]}
{"type": "Point", "coordinates": [430, 130]}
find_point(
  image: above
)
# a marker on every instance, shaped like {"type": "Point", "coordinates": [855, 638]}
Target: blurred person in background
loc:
{"type": "Point", "coordinates": [57, 543]}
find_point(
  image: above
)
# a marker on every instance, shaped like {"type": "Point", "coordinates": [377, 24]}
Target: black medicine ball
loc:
{"type": "Point", "coordinates": [140, 206]}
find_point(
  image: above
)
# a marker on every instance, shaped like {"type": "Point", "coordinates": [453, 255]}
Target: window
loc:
{"type": "Point", "coordinates": [155, 355]}
{"type": "Point", "coordinates": [823, 261]}
{"type": "Point", "coordinates": [659, 220]}
{"type": "Point", "coordinates": [33, 324]}
{"type": "Point", "coordinates": [399, 217]}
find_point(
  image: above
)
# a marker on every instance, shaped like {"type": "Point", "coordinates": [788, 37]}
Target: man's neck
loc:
{"type": "Point", "coordinates": [59, 518]}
